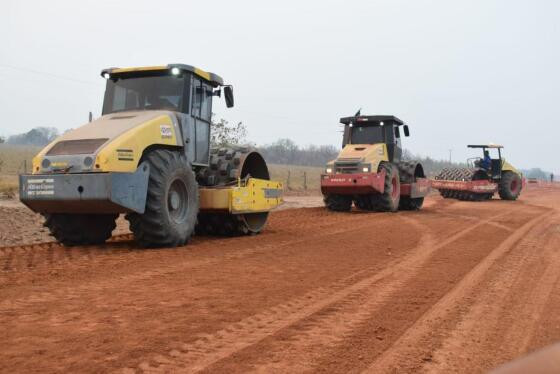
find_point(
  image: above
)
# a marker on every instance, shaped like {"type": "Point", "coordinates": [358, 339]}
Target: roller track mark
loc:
{"type": "Point", "coordinates": [15, 258]}
{"type": "Point", "coordinates": [527, 273]}
{"type": "Point", "coordinates": [308, 338]}
{"type": "Point", "coordinates": [222, 344]}
{"type": "Point", "coordinates": [430, 320]}
{"type": "Point", "coordinates": [306, 341]}
{"type": "Point", "coordinates": [257, 248]}
{"type": "Point", "coordinates": [209, 348]}
{"type": "Point", "coordinates": [517, 339]}
{"type": "Point", "coordinates": [474, 218]}
{"type": "Point", "coordinates": [27, 257]}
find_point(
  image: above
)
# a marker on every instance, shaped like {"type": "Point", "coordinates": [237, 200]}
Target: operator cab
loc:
{"type": "Point", "coordinates": [183, 89]}
{"type": "Point", "coordinates": [495, 167]}
{"type": "Point", "coordinates": [375, 130]}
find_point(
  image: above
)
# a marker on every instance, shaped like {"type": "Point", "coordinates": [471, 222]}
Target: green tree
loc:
{"type": "Point", "coordinates": [222, 133]}
{"type": "Point", "coordinates": [38, 136]}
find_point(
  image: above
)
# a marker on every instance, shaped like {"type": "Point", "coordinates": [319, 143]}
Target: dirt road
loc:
{"type": "Point", "coordinates": [457, 287]}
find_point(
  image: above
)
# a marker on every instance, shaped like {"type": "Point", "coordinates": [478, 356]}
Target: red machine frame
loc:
{"type": "Point", "coordinates": [367, 183]}
{"type": "Point", "coordinates": [480, 186]}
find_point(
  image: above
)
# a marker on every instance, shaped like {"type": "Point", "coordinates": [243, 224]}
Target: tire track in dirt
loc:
{"type": "Point", "coordinates": [17, 259]}
{"type": "Point", "coordinates": [300, 347]}
{"type": "Point", "coordinates": [502, 327]}
{"type": "Point", "coordinates": [104, 318]}
{"type": "Point", "coordinates": [329, 325]}
{"type": "Point", "coordinates": [28, 255]}
{"type": "Point", "coordinates": [74, 292]}
{"type": "Point", "coordinates": [405, 348]}
{"type": "Point", "coordinates": [214, 347]}
{"type": "Point", "coordinates": [199, 253]}
{"type": "Point", "coordinates": [474, 218]}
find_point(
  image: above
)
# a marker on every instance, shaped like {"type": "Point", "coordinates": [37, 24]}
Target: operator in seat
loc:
{"type": "Point", "coordinates": [486, 162]}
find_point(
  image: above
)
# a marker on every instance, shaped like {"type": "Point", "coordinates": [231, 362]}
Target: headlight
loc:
{"type": "Point", "coordinates": [365, 170]}
{"type": "Point", "coordinates": [175, 71]}
{"type": "Point", "coordinates": [329, 170]}
{"type": "Point", "coordinates": [88, 161]}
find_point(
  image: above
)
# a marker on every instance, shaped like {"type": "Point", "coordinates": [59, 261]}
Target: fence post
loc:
{"type": "Point", "coordinates": [24, 166]}
{"type": "Point", "coordinates": [288, 181]}
{"type": "Point", "coordinates": [305, 181]}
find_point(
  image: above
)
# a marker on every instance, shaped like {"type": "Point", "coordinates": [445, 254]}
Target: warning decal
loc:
{"type": "Point", "coordinates": [40, 186]}
{"type": "Point", "coordinates": [166, 131]}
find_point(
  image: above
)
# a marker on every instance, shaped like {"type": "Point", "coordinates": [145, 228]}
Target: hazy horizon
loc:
{"type": "Point", "coordinates": [457, 73]}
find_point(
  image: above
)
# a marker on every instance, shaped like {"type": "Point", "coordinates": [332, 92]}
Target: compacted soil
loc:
{"type": "Point", "coordinates": [456, 287]}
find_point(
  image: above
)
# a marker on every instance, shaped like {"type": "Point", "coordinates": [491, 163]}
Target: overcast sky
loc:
{"type": "Point", "coordinates": [457, 72]}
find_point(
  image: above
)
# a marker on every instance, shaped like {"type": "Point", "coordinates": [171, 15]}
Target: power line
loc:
{"type": "Point", "coordinates": [47, 74]}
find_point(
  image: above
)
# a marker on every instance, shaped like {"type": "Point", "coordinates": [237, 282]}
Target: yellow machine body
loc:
{"type": "Point", "coordinates": [250, 196]}
{"type": "Point", "coordinates": [506, 166]}
{"type": "Point", "coordinates": [368, 155]}
{"type": "Point", "coordinates": [122, 137]}
{"type": "Point", "coordinates": [156, 124]}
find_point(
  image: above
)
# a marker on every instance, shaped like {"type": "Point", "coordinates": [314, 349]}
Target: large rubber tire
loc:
{"type": "Point", "coordinates": [338, 203]}
{"type": "Point", "coordinates": [80, 229]}
{"type": "Point", "coordinates": [389, 200]}
{"type": "Point", "coordinates": [408, 172]}
{"type": "Point", "coordinates": [172, 202]}
{"type": "Point", "coordinates": [391, 196]}
{"type": "Point", "coordinates": [510, 186]}
{"type": "Point", "coordinates": [409, 203]}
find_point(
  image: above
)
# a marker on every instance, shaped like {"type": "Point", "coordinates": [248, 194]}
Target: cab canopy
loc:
{"type": "Point", "coordinates": [374, 130]}
{"type": "Point", "coordinates": [174, 87]}
{"type": "Point", "coordinates": [491, 145]}
{"type": "Point", "coordinates": [170, 69]}
{"type": "Point", "coordinates": [371, 120]}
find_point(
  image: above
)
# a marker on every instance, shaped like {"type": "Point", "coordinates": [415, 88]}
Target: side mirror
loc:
{"type": "Point", "coordinates": [397, 132]}
{"type": "Point", "coordinates": [406, 132]}
{"type": "Point", "coordinates": [228, 95]}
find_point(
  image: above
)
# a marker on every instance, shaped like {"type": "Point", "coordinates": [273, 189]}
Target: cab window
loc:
{"type": "Point", "coordinates": [196, 97]}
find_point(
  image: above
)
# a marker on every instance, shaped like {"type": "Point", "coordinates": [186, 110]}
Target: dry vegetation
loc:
{"type": "Point", "coordinates": [12, 161]}
{"type": "Point", "coordinates": [13, 157]}
{"type": "Point", "coordinates": [297, 178]}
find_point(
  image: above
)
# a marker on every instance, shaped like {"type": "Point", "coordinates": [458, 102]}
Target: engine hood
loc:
{"type": "Point", "coordinates": [362, 152]}
{"type": "Point", "coordinates": [354, 155]}
{"type": "Point", "coordinates": [112, 125]}
{"type": "Point", "coordinates": [113, 142]}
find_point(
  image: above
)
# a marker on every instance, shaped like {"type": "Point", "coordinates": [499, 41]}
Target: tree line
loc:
{"type": "Point", "coordinates": [38, 136]}
{"type": "Point", "coordinates": [283, 151]}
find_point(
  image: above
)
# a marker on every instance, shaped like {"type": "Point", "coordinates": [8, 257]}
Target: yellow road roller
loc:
{"type": "Point", "coordinates": [149, 156]}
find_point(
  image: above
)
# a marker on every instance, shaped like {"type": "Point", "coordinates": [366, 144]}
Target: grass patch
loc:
{"type": "Point", "coordinates": [8, 186]}
{"type": "Point", "coordinates": [14, 157]}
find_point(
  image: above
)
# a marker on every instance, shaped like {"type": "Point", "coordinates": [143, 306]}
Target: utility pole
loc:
{"type": "Point", "coordinates": [450, 155]}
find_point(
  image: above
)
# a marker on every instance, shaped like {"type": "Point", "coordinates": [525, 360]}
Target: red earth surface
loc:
{"type": "Point", "coordinates": [456, 287]}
